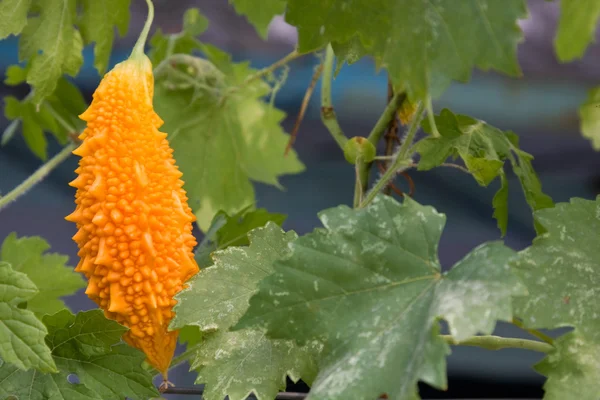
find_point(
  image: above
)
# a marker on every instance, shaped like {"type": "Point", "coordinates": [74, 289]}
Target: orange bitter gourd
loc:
{"type": "Point", "coordinates": [134, 225]}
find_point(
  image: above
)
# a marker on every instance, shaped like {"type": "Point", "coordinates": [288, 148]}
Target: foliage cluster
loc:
{"type": "Point", "coordinates": [270, 304]}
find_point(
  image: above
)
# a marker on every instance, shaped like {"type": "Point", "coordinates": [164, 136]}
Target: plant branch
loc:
{"type": "Point", "coordinates": [391, 136]}
{"type": "Point", "coordinates": [491, 342]}
{"type": "Point", "coordinates": [401, 161]}
{"type": "Point", "coordinates": [533, 332]}
{"type": "Point", "coordinates": [327, 112]}
{"type": "Point", "coordinates": [303, 107]}
{"type": "Point", "coordinates": [37, 176]}
{"type": "Point", "coordinates": [384, 120]}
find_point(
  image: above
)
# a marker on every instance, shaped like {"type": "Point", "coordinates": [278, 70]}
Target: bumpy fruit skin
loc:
{"type": "Point", "coordinates": [134, 224]}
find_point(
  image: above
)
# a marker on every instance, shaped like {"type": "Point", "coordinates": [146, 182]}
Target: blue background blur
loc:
{"type": "Point", "coordinates": [541, 108]}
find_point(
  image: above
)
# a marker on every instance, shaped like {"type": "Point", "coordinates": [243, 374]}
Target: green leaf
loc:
{"type": "Point", "coordinates": [52, 45]}
{"type": "Point", "coordinates": [194, 23]}
{"type": "Point", "coordinates": [562, 274]}
{"type": "Point", "coordinates": [576, 28]}
{"type": "Point", "coordinates": [57, 115]}
{"type": "Point", "coordinates": [15, 75]}
{"type": "Point", "coordinates": [97, 25]}
{"type": "Point", "coordinates": [13, 16]}
{"type": "Point", "coordinates": [424, 45]}
{"type": "Point", "coordinates": [370, 286]}
{"type": "Point", "coordinates": [21, 333]}
{"type": "Point", "coordinates": [259, 15]}
{"type": "Point", "coordinates": [184, 42]}
{"type": "Point", "coordinates": [86, 345]}
{"type": "Point", "coordinates": [237, 363]}
{"type": "Point", "coordinates": [32, 131]}
{"type": "Point", "coordinates": [484, 150]}
{"type": "Point", "coordinates": [49, 272]}
{"type": "Point", "coordinates": [223, 133]}
{"type": "Point", "coordinates": [228, 231]}
{"type": "Point", "coordinates": [589, 114]}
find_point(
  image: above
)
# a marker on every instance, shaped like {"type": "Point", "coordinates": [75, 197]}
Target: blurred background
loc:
{"type": "Point", "coordinates": [541, 108]}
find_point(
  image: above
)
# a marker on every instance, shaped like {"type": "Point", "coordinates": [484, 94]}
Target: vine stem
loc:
{"type": "Point", "coordinates": [386, 117]}
{"type": "Point", "coordinates": [533, 332]}
{"type": "Point", "coordinates": [37, 176]}
{"type": "Point", "coordinates": [401, 161]}
{"type": "Point", "coordinates": [362, 180]}
{"type": "Point", "coordinates": [491, 342]}
{"type": "Point", "coordinates": [267, 70]}
{"type": "Point", "coordinates": [327, 112]}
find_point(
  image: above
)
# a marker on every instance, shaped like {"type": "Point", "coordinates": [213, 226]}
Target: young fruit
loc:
{"type": "Point", "coordinates": [134, 224]}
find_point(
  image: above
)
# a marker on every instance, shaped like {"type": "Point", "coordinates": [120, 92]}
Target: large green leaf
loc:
{"type": "Point", "coordinates": [223, 133]}
{"type": "Point", "coordinates": [13, 16]}
{"type": "Point", "coordinates": [423, 44]}
{"type": "Point", "coordinates": [86, 345]}
{"type": "Point", "coordinates": [98, 25]}
{"type": "Point", "coordinates": [236, 363]}
{"type": "Point", "coordinates": [562, 273]}
{"type": "Point", "coordinates": [576, 27]}
{"type": "Point", "coordinates": [52, 45]}
{"type": "Point", "coordinates": [48, 272]}
{"type": "Point", "coordinates": [370, 286]}
{"type": "Point", "coordinates": [21, 333]}
{"type": "Point", "coordinates": [483, 149]}
{"type": "Point", "coordinates": [259, 14]}
{"type": "Point", "coordinates": [589, 113]}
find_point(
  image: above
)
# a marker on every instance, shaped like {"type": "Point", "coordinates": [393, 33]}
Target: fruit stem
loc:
{"type": "Point", "coordinates": [138, 49]}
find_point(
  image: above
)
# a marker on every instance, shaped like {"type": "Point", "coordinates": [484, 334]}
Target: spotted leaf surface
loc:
{"type": "Point", "coordinates": [370, 286]}
{"type": "Point", "coordinates": [562, 273]}
{"type": "Point", "coordinates": [235, 364]}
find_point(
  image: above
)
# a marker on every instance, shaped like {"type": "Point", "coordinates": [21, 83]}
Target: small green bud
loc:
{"type": "Point", "coordinates": [359, 146]}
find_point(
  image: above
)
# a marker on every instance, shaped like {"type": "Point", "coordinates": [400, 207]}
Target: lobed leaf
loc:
{"type": "Point", "coordinates": [484, 150]}
{"type": "Point", "coordinates": [223, 133]}
{"type": "Point", "coordinates": [98, 25]}
{"type": "Point", "coordinates": [21, 333]}
{"type": "Point", "coordinates": [370, 287]}
{"type": "Point", "coordinates": [58, 113]}
{"type": "Point", "coordinates": [562, 274]}
{"type": "Point", "coordinates": [52, 46]}
{"type": "Point", "coordinates": [85, 346]}
{"type": "Point", "coordinates": [423, 45]}
{"type": "Point", "coordinates": [48, 272]}
{"type": "Point", "coordinates": [235, 364]}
